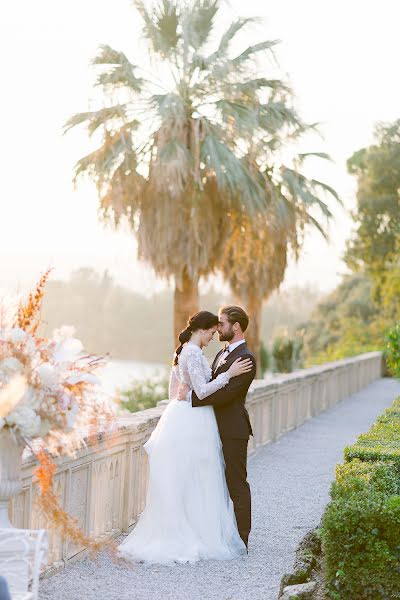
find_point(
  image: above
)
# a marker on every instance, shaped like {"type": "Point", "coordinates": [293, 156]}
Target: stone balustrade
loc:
{"type": "Point", "coordinates": [104, 486]}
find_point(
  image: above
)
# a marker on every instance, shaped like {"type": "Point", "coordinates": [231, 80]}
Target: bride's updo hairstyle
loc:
{"type": "Point", "coordinates": [201, 320]}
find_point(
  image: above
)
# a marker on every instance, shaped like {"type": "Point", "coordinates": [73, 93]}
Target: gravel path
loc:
{"type": "Point", "coordinates": [290, 481]}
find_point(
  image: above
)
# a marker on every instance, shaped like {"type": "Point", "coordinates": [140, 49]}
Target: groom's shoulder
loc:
{"type": "Point", "coordinates": [245, 351]}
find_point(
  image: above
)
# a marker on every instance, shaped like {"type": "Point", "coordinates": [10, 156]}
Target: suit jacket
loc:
{"type": "Point", "coordinates": [229, 402]}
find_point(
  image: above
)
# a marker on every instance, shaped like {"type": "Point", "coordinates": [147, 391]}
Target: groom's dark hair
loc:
{"type": "Point", "coordinates": [236, 314]}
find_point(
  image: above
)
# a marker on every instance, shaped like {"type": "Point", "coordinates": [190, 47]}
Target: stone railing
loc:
{"type": "Point", "coordinates": [104, 486]}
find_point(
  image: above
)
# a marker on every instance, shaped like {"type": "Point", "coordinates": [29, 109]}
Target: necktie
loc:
{"type": "Point", "coordinates": [223, 356]}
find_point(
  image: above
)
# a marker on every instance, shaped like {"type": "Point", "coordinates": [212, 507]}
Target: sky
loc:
{"type": "Point", "coordinates": [340, 57]}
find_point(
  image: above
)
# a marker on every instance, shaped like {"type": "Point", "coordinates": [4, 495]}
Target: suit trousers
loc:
{"type": "Point", "coordinates": [4, 592]}
{"type": "Point", "coordinates": [235, 455]}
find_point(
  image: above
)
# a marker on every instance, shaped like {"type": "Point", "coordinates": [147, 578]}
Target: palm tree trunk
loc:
{"type": "Point", "coordinates": [186, 302]}
{"type": "Point", "coordinates": [253, 333]}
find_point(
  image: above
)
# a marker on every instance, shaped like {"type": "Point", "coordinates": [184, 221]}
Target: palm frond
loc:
{"type": "Point", "coordinates": [317, 225]}
{"type": "Point", "coordinates": [160, 25]}
{"type": "Point", "coordinates": [121, 72]}
{"type": "Point", "coordinates": [327, 188]}
{"type": "Point", "coordinates": [275, 116]}
{"type": "Point", "coordinates": [249, 52]}
{"type": "Point", "coordinates": [168, 105]}
{"type": "Point", "coordinates": [302, 156]}
{"type": "Point", "coordinates": [101, 163]}
{"type": "Point", "coordinates": [222, 69]}
{"type": "Point", "coordinates": [252, 86]}
{"type": "Point", "coordinates": [231, 174]}
{"type": "Point", "coordinates": [241, 117]}
{"type": "Point", "coordinates": [259, 253]}
{"type": "Point", "coordinates": [124, 193]}
{"type": "Point", "coordinates": [226, 40]}
{"type": "Point", "coordinates": [172, 168]}
{"type": "Point", "coordinates": [303, 191]}
{"type": "Point", "coordinates": [198, 22]}
{"type": "Point", "coordinates": [97, 118]}
{"type": "Point", "coordinates": [106, 55]}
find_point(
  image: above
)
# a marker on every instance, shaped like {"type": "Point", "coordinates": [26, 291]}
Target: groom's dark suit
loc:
{"type": "Point", "coordinates": [235, 429]}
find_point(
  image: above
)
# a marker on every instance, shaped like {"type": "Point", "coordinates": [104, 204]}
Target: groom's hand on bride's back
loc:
{"type": "Point", "coordinates": [183, 391]}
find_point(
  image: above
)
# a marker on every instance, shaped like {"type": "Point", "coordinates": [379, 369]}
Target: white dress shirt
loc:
{"type": "Point", "coordinates": [235, 345]}
{"type": "Point", "coordinates": [224, 355]}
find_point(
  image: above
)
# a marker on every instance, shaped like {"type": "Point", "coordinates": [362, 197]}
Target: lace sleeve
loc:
{"type": "Point", "coordinates": [197, 376]}
{"type": "Point", "coordinates": [173, 384]}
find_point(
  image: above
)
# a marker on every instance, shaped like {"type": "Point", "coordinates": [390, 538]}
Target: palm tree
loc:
{"type": "Point", "coordinates": [177, 147]}
{"type": "Point", "coordinates": [258, 248]}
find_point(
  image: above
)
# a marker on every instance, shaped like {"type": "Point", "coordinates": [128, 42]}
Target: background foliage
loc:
{"type": "Point", "coordinates": [357, 315]}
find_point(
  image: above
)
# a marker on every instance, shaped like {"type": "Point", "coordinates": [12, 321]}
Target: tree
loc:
{"type": "Point", "coordinates": [178, 161]}
{"type": "Point", "coordinates": [259, 247]}
{"type": "Point", "coordinates": [345, 323]}
{"type": "Point", "coordinates": [375, 245]}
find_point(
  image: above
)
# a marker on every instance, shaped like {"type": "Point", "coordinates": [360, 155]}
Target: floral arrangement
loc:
{"type": "Point", "coordinates": [47, 386]}
{"type": "Point", "coordinates": [48, 392]}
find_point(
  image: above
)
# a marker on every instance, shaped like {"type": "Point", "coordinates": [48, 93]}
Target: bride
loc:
{"type": "Point", "coordinates": [189, 514]}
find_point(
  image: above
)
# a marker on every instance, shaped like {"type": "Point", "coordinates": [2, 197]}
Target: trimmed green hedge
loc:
{"type": "Point", "coordinates": [361, 524]}
{"type": "Point", "coordinates": [382, 442]}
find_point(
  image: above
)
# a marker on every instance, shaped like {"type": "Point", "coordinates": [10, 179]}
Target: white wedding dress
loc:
{"type": "Point", "coordinates": [189, 514]}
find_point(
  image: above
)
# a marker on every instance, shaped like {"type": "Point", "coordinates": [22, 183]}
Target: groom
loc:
{"type": "Point", "coordinates": [231, 414]}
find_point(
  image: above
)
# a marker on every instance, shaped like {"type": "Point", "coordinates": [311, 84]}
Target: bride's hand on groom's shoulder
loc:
{"type": "Point", "coordinates": [183, 391]}
{"type": "Point", "coordinates": [240, 366]}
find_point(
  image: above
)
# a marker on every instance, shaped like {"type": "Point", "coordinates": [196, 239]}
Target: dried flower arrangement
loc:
{"type": "Point", "coordinates": [48, 398]}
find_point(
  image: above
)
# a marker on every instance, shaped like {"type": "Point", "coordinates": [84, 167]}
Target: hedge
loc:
{"type": "Point", "coordinates": [361, 524]}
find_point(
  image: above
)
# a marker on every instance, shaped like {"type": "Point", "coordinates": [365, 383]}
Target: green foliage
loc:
{"type": "Point", "coordinates": [374, 248]}
{"type": "Point", "coordinates": [144, 393]}
{"type": "Point", "coordinates": [382, 441]}
{"type": "Point", "coordinates": [287, 353]}
{"type": "Point", "coordinates": [355, 317]}
{"type": "Point", "coordinates": [265, 359]}
{"type": "Point", "coordinates": [361, 524]}
{"type": "Point", "coordinates": [347, 322]}
{"type": "Point", "coordinates": [282, 353]}
{"type": "Point", "coordinates": [392, 350]}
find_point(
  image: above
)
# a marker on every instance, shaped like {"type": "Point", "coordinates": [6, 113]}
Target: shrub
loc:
{"type": "Point", "coordinates": [265, 359]}
{"type": "Point", "coordinates": [144, 393]}
{"type": "Point", "coordinates": [392, 350]}
{"type": "Point", "coordinates": [361, 524]}
{"type": "Point", "coordinates": [287, 353]}
{"type": "Point", "coordinates": [382, 441]}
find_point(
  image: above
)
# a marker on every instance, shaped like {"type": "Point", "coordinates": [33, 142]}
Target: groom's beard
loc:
{"type": "Point", "coordinates": [226, 337]}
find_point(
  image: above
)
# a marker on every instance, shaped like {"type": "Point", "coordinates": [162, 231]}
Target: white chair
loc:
{"type": "Point", "coordinates": [22, 553]}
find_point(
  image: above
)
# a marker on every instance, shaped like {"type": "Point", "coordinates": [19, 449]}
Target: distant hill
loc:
{"type": "Point", "coordinates": [111, 319]}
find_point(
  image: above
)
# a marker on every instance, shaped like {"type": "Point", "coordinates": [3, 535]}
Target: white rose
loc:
{"type": "Point", "coordinates": [68, 350]}
{"type": "Point", "coordinates": [64, 401]}
{"type": "Point", "coordinates": [47, 374]}
{"type": "Point", "coordinates": [11, 365]}
{"type": "Point", "coordinates": [71, 415]}
{"type": "Point", "coordinates": [33, 398]}
{"type": "Point", "coordinates": [63, 333]}
{"type": "Point", "coordinates": [16, 335]}
{"type": "Point", "coordinates": [45, 427]}
{"type": "Point", "coordinates": [30, 348]}
{"type": "Point", "coordinates": [25, 419]}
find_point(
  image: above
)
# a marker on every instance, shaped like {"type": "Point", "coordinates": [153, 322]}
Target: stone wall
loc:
{"type": "Point", "coordinates": [104, 486]}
